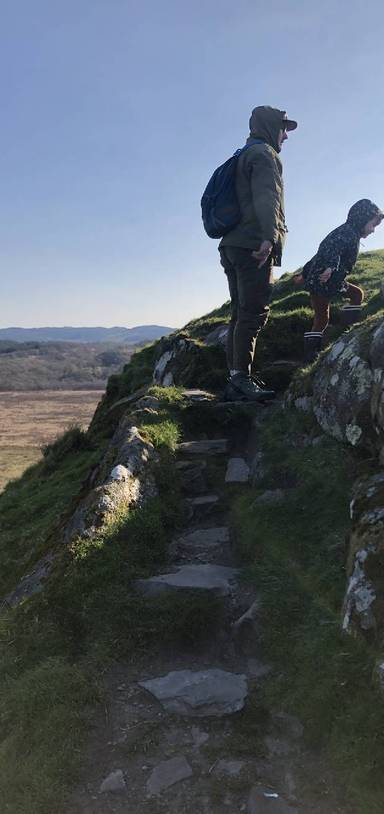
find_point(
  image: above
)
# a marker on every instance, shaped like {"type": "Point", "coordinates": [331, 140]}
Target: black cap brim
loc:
{"type": "Point", "coordinates": [290, 124]}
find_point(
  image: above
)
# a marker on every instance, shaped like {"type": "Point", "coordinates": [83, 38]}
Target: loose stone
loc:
{"type": "Point", "coordinates": [204, 693]}
{"type": "Point", "coordinates": [167, 773]}
{"type": "Point", "coordinates": [237, 471]}
{"type": "Point", "coordinates": [215, 578]}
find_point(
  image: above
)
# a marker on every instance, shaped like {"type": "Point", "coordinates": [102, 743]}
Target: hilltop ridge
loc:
{"type": "Point", "coordinates": [108, 510]}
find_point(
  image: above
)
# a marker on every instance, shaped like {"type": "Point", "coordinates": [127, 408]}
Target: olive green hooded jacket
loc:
{"type": "Point", "coordinates": [259, 186]}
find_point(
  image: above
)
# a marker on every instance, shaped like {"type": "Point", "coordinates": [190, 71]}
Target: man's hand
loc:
{"type": "Point", "coordinates": [263, 253]}
{"type": "Point", "coordinates": [325, 275]}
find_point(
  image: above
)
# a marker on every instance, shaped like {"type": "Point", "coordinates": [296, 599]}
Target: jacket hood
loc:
{"type": "Point", "coordinates": [361, 212]}
{"type": "Point", "coordinates": [265, 123]}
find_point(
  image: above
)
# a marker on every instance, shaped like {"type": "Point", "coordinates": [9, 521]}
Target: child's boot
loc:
{"type": "Point", "coordinates": [350, 314]}
{"type": "Point", "coordinates": [312, 345]}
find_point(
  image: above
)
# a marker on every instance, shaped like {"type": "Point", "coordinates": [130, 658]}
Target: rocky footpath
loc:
{"type": "Point", "coordinates": [182, 730]}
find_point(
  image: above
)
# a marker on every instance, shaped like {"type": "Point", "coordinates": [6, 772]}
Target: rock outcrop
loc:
{"type": "Point", "coordinates": [364, 601]}
{"type": "Point", "coordinates": [346, 393]}
{"type": "Point", "coordinates": [121, 481]}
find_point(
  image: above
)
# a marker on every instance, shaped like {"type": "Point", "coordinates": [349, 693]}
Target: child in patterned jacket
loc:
{"type": "Point", "coordinates": [324, 275]}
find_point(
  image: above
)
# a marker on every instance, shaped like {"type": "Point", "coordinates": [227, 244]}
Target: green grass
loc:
{"type": "Point", "coordinates": [31, 509]}
{"type": "Point", "coordinates": [295, 553]}
{"type": "Point", "coordinates": [43, 718]}
{"type": "Point", "coordinates": [53, 646]}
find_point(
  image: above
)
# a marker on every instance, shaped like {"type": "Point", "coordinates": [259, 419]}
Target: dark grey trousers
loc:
{"type": "Point", "coordinates": [250, 291]}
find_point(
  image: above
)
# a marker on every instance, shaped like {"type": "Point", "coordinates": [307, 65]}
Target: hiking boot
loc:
{"type": "Point", "coordinates": [350, 314]}
{"type": "Point", "coordinates": [245, 388]}
{"type": "Point", "coordinates": [312, 346]}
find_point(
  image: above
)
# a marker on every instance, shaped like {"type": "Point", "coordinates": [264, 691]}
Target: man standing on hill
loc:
{"type": "Point", "coordinates": [250, 250]}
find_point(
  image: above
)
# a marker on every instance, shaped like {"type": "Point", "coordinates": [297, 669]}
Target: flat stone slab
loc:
{"type": "Point", "coordinates": [199, 395]}
{"type": "Point", "coordinates": [167, 773]}
{"type": "Point", "coordinates": [203, 693]}
{"type": "Point", "coordinates": [204, 538]}
{"type": "Point", "coordinates": [267, 801]}
{"type": "Point", "coordinates": [237, 471]}
{"type": "Point", "coordinates": [216, 446]}
{"type": "Point", "coordinates": [198, 508]}
{"type": "Point", "coordinates": [215, 578]}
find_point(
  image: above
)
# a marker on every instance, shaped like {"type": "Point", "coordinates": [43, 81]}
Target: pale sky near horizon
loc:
{"type": "Point", "coordinates": [116, 112]}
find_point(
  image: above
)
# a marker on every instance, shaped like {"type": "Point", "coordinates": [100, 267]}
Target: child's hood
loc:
{"type": "Point", "coordinates": [361, 212]}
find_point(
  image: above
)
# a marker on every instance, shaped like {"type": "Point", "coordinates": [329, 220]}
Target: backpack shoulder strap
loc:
{"type": "Point", "coordinates": [250, 144]}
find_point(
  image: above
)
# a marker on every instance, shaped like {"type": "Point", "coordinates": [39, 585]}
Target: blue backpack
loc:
{"type": "Point", "coordinates": [219, 205]}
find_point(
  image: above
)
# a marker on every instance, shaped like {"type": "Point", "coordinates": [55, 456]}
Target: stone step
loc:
{"type": "Point", "coordinates": [212, 692]}
{"type": "Point", "coordinates": [192, 476]}
{"type": "Point", "coordinates": [237, 471]}
{"type": "Point", "coordinates": [214, 446]}
{"type": "Point", "coordinates": [216, 578]}
{"type": "Point", "coordinates": [199, 508]}
{"type": "Point", "coordinates": [201, 544]}
{"type": "Point", "coordinates": [195, 395]}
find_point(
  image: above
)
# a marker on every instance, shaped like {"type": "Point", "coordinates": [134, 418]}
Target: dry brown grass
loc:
{"type": "Point", "coordinates": [30, 420]}
{"type": "Point", "coordinates": [14, 461]}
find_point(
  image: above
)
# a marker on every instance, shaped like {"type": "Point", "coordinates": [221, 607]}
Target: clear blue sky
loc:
{"type": "Point", "coordinates": [114, 115]}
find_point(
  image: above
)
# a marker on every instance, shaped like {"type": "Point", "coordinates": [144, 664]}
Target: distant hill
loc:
{"type": "Point", "coordinates": [131, 336]}
{"type": "Point", "coordinates": [60, 365]}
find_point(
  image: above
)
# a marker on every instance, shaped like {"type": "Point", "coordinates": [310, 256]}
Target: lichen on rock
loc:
{"type": "Point", "coordinates": [363, 611]}
{"type": "Point", "coordinates": [122, 480]}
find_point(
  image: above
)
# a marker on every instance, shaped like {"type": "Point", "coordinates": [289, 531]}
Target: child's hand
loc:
{"type": "Point", "coordinates": [325, 275]}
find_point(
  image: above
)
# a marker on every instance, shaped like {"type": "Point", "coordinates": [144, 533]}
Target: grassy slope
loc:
{"type": "Point", "coordinates": [296, 553]}
{"type": "Point", "coordinates": [51, 645]}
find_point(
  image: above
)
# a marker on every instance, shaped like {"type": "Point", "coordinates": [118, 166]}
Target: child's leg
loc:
{"type": "Point", "coordinates": [320, 306]}
{"type": "Point", "coordinates": [355, 294]}
{"type": "Point", "coordinates": [352, 313]}
{"type": "Point", "coordinates": [313, 338]}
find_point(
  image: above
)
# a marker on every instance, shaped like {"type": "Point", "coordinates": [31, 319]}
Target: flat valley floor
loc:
{"type": "Point", "coordinates": [32, 419]}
